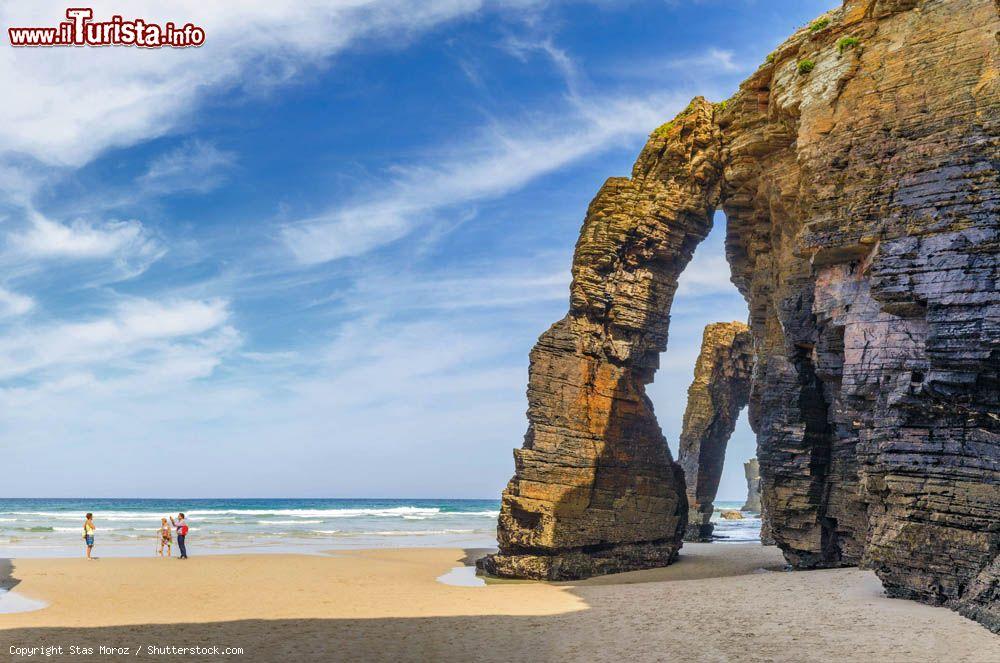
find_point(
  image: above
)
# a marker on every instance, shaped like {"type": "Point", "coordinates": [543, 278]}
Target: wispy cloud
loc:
{"type": "Point", "coordinates": [707, 274]}
{"type": "Point", "coordinates": [522, 47]}
{"type": "Point", "coordinates": [122, 95]}
{"type": "Point", "coordinates": [494, 286]}
{"type": "Point", "coordinates": [134, 327]}
{"type": "Point", "coordinates": [99, 252]}
{"type": "Point", "coordinates": [717, 58]}
{"type": "Point", "coordinates": [424, 389]}
{"type": "Point", "coordinates": [711, 63]}
{"type": "Point", "coordinates": [409, 356]}
{"type": "Point", "coordinates": [81, 239]}
{"type": "Point", "coordinates": [14, 304]}
{"type": "Point", "coordinates": [502, 158]}
{"type": "Point", "coordinates": [194, 166]}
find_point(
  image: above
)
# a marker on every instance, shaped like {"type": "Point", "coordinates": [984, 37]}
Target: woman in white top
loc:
{"type": "Point", "coordinates": [166, 537]}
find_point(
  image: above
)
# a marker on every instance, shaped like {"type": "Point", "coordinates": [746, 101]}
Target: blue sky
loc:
{"type": "Point", "coordinates": [310, 257]}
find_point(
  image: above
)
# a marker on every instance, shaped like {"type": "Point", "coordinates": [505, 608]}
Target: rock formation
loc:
{"type": "Point", "coordinates": [858, 171]}
{"type": "Point", "coordinates": [751, 469]}
{"type": "Point", "coordinates": [595, 488]}
{"type": "Point", "coordinates": [721, 388]}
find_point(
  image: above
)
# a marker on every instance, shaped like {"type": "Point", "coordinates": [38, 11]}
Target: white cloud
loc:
{"type": "Point", "coordinates": [132, 328]}
{"type": "Point", "coordinates": [502, 158]}
{"type": "Point", "coordinates": [435, 383]}
{"type": "Point", "coordinates": [511, 285]}
{"type": "Point", "coordinates": [711, 63]}
{"type": "Point", "coordinates": [706, 274]}
{"type": "Point", "coordinates": [72, 103]}
{"type": "Point", "coordinates": [522, 47]}
{"type": "Point", "coordinates": [716, 59]}
{"type": "Point", "coordinates": [104, 252]}
{"type": "Point", "coordinates": [14, 304]}
{"type": "Point", "coordinates": [194, 166]}
{"type": "Point", "coordinates": [82, 239]}
{"type": "Point", "coordinates": [422, 393]}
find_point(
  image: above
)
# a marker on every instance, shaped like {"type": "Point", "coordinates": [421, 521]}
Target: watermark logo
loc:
{"type": "Point", "coordinates": [82, 30]}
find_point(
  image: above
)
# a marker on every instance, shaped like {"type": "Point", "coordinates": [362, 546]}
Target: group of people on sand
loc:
{"type": "Point", "coordinates": [165, 535]}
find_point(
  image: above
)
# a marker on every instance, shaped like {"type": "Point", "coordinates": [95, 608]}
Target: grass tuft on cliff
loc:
{"type": "Point", "coordinates": [819, 24]}
{"type": "Point", "coordinates": [845, 43]}
{"type": "Point", "coordinates": [663, 130]}
{"type": "Point", "coordinates": [805, 66]}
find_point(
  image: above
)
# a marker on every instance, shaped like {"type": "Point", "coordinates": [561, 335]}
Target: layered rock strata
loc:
{"type": "Point", "coordinates": [720, 390]}
{"type": "Point", "coordinates": [858, 172]}
{"type": "Point", "coordinates": [595, 488]}
{"type": "Point", "coordinates": [863, 209]}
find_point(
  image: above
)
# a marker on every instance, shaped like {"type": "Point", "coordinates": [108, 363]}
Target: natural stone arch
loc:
{"type": "Point", "coordinates": [719, 391]}
{"type": "Point", "coordinates": [595, 488]}
{"type": "Point", "coordinates": [862, 198]}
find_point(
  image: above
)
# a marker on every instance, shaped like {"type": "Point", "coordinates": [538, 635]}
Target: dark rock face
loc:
{"type": "Point", "coordinates": [863, 216]}
{"type": "Point", "coordinates": [721, 388]}
{"type": "Point", "coordinates": [751, 469]}
{"type": "Point", "coordinates": [862, 203]}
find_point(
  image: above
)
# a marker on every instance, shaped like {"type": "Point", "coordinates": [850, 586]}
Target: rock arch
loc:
{"type": "Point", "coordinates": [862, 199]}
{"type": "Point", "coordinates": [595, 488]}
{"type": "Point", "coordinates": [720, 390]}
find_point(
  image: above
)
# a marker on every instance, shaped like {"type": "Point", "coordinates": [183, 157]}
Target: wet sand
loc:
{"type": "Point", "coordinates": [719, 603]}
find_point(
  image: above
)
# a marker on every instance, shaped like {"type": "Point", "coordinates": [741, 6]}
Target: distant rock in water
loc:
{"type": "Point", "coordinates": [857, 168]}
{"type": "Point", "coordinates": [731, 514]}
{"type": "Point", "coordinates": [751, 469]}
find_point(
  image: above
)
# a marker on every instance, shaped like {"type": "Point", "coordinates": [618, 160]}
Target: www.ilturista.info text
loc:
{"type": "Point", "coordinates": [82, 30]}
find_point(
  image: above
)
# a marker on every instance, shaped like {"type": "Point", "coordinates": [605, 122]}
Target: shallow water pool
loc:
{"type": "Point", "coordinates": [13, 602]}
{"type": "Point", "coordinates": [462, 576]}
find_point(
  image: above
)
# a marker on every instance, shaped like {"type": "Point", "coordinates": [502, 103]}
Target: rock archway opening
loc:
{"type": "Point", "coordinates": [701, 392]}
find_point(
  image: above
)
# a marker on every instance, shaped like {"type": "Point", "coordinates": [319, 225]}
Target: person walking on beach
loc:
{"type": "Point", "coordinates": [88, 534]}
{"type": "Point", "coordinates": [182, 530]}
{"type": "Point", "coordinates": [166, 537]}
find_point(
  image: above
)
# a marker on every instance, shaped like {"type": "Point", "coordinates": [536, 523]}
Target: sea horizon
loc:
{"type": "Point", "coordinates": [128, 527]}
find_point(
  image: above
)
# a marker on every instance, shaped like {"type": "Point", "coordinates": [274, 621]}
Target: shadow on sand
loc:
{"type": "Point", "coordinates": [443, 638]}
{"type": "Point", "coordinates": [7, 579]}
{"type": "Point", "coordinates": [734, 610]}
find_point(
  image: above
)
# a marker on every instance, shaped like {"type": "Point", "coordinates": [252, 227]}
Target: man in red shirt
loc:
{"type": "Point", "coordinates": [182, 530]}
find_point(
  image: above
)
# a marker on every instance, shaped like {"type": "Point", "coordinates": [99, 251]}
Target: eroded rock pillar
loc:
{"type": "Point", "coordinates": [595, 489]}
{"type": "Point", "coordinates": [751, 469]}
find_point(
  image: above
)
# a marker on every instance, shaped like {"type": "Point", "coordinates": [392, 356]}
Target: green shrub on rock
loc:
{"type": "Point", "coordinates": [819, 24]}
{"type": "Point", "coordinates": [847, 42]}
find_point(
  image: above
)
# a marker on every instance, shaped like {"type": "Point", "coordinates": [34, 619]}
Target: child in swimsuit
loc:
{"type": "Point", "coordinates": [166, 538]}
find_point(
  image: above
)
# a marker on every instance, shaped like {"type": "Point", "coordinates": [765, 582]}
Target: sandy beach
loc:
{"type": "Point", "coordinates": [719, 603]}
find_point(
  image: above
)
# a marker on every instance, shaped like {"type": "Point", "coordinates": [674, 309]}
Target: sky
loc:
{"type": "Point", "coordinates": [309, 258]}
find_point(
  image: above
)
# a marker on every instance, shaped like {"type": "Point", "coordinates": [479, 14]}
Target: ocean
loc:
{"type": "Point", "coordinates": [129, 527]}
{"type": "Point", "coordinates": [735, 531]}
